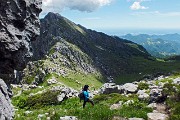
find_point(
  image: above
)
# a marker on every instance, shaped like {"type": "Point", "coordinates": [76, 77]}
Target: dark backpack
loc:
{"type": "Point", "coordinates": [81, 95]}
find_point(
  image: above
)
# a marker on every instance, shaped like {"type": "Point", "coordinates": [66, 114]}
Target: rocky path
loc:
{"type": "Point", "coordinates": [161, 108]}
{"type": "Point", "coordinates": [159, 112]}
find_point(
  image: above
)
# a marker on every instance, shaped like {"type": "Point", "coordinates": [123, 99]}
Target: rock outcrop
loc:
{"type": "Point", "coordinates": [108, 88]}
{"type": "Point", "coordinates": [6, 108]}
{"type": "Point", "coordinates": [19, 25]}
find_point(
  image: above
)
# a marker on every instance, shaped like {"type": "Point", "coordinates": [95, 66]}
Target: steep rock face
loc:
{"type": "Point", "coordinates": [19, 25]}
{"type": "Point", "coordinates": [6, 109]}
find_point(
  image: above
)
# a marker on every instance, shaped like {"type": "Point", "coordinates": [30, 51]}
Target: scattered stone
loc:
{"type": "Point", "coordinates": [32, 86]}
{"type": "Point", "coordinates": [46, 114]}
{"type": "Point", "coordinates": [40, 116]}
{"type": "Point", "coordinates": [118, 118]}
{"type": "Point", "coordinates": [135, 119]}
{"type": "Point", "coordinates": [129, 102]}
{"type": "Point", "coordinates": [144, 96]}
{"type": "Point", "coordinates": [61, 97]}
{"type": "Point", "coordinates": [51, 81]}
{"type": "Point", "coordinates": [48, 118]}
{"type": "Point", "coordinates": [153, 106]}
{"type": "Point", "coordinates": [68, 118]}
{"type": "Point", "coordinates": [116, 106]}
{"type": "Point", "coordinates": [155, 111]}
{"type": "Point", "coordinates": [27, 112]}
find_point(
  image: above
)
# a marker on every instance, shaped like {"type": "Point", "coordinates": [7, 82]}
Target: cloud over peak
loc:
{"type": "Point", "coordinates": [81, 5]}
{"type": "Point", "coordinates": [137, 6]}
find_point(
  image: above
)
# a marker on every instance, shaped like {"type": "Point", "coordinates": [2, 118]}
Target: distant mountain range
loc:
{"type": "Point", "coordinates": [157, 45]}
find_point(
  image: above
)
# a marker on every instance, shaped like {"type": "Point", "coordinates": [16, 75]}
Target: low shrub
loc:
{"type": "Point", "coordinates": [143, 86]}
{"type": "Point", "coordinates": [38, 101]}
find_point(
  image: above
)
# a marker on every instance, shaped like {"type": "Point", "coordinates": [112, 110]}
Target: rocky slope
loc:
{"type": "Point", "coordinates": [111, 55]}
{"type": "Point", "coordinates": [19, 25]}
{"type": "Point", "coordinates": [66, 62]}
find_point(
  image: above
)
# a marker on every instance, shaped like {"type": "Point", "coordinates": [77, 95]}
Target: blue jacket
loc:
{"type": "Point", "coordinates": [86, 95]}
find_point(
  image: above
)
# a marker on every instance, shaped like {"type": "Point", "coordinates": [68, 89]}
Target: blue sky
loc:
{"type": "Point", "coordinates": [107, 15]}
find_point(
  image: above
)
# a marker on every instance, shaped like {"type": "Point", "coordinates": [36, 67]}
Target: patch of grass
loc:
{"type": "Point", "coordinates": [29, 79]}
{"type": "Point", "coordinates": [138, 67]}
{"type": "Point", "coordinates": [76, 81]}
{"type": "Point", "coordinates": [136, 109]}
{"type": "Point", "coordinates": [16, 91]}
{"type": "Point", "coordinates": [113, 98]}
{"type": "Point", "coordinates": [143, 86]}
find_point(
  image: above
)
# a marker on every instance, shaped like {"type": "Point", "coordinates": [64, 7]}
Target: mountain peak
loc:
{"type": "Point", "coordinates": [52, 16]}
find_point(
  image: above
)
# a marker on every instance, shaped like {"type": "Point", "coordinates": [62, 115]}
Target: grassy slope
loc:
{"type": "Point", "coordinates": [100, 111]}
{"type": "Point", "coordinates": [141, 67]}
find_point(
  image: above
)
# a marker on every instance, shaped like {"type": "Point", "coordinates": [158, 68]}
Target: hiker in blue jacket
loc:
{"type": "Point", "coordinates": [86, 96]}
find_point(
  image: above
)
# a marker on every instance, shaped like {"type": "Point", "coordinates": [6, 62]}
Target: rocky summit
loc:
{"type": "Point", "coordinates": [19, 25]}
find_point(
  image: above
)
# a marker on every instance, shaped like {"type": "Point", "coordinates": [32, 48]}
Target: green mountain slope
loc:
{"type": "Point", "coordinates": [114, 58]}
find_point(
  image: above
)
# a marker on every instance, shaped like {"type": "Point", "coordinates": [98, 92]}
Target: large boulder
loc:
{"type": "Point", "coordinates": [108, 88]}
{"type": "Point", "coordinates": [65, 92]}
{"type": "Point", "coordinates": [130, 88]}
{"type": "Point", "coordinates": [6, 108]}
{"type": "Point", "coordinates": [176, 81]}
{"type": "Point", "coordinates": [19, 25]}
{"type": "Point", "coordinates": [142, 95]}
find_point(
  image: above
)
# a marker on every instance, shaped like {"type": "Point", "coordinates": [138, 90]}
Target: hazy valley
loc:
{"type": "Point", "coordinates": [158, 45]}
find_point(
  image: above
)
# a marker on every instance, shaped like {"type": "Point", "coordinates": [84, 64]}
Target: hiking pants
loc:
{"type": "Point", "coordinates": [84, 104]}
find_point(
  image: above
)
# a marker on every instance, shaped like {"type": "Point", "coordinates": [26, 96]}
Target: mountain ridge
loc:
{"type": "Point", "coordinates": [102, 49]}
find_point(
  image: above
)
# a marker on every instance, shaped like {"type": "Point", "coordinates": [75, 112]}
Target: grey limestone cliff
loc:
{"type": "Point", "coordinates": [19, 25]}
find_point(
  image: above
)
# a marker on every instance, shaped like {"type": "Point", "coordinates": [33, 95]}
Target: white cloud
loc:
{"type": "Point", "coordinates": [93, 18]}
{"type": "Point", "coordinates": [81, 5]}
{"type": "Point", "coordinates": [157, 13]}
{"type": "Point", "coordinates": [137, 5]}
